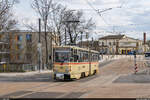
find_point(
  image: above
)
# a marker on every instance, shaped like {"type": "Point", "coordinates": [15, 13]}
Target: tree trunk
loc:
{"type": "Point", "coordinates": [46, 44]}
{"type": "Point", "coordinates": [70, 34]}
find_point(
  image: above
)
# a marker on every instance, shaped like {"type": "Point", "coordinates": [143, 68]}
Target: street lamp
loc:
{"type": "Point", "coordinates": [39, 45]}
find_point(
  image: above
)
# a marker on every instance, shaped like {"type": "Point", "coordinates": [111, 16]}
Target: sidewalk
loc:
{"type": "Point", "coordinates": [25, 74]}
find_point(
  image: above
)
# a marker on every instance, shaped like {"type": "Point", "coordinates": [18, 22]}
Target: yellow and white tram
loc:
{"type": "Point", "coordinates": [71, 62]}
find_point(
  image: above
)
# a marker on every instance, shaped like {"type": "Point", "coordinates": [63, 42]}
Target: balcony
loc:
{"type": "Point", "coordinates": [4, 48]}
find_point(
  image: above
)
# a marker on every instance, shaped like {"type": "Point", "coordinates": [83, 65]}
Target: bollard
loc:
{"type": "Point", "coordinates": [136, 68]}
{"type": "Point", "coordinates": [135, 62]}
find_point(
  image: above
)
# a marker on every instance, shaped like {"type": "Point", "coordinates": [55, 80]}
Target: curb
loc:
{"type": "Point", "coordinates": [24, 74]}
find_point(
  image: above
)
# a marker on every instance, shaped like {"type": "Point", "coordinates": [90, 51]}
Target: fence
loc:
{"type": "Point", "coordinates": [17, 68]}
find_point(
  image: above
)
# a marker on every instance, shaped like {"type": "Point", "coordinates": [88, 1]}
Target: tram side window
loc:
{"type": "Point", "coordinates": [86, 57]}
{"type": "Point", "coordinates": [95, 57]}
{"type": "Point", "coordinates": [81, 56]}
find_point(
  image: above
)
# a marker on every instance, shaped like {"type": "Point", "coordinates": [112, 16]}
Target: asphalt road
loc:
{"type": "Point", "coordinates": [43, 82]}
{"type": "Point", "coordinates": [98, 86]}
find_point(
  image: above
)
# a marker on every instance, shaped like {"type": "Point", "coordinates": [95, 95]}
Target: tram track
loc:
{"type": "Point", "coordinates": [35, 89]}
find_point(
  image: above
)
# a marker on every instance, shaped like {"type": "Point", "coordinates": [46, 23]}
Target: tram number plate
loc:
{"type": "Point", "coordinates": [60, 76]}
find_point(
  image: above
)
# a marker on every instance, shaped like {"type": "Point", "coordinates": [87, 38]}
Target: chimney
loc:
{"type": "Point", "coordinates": [144, 38]}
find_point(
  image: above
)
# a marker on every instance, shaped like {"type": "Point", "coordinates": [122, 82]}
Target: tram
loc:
{"type": "Point", "coordinates": [71, 62]}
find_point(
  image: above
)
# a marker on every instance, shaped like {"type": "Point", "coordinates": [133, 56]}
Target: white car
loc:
{"type": "Point", "coordinates": [147, 58]}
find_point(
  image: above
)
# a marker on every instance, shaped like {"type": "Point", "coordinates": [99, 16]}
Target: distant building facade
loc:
{"type": "Point", "coordinates": [121, 44]}
{"type": "Point", "coordinates": [116, 44]}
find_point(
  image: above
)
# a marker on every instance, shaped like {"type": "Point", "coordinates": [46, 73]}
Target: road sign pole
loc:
{"type": "Point", "coordinates": [135, 63]}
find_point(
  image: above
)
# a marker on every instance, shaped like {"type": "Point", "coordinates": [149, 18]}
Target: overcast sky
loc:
{"type": "Point", "coordinates": [130, 17]}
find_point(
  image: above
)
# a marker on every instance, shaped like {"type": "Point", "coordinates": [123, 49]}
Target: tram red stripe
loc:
{"type": "Point", "coordinates": [75, 63]}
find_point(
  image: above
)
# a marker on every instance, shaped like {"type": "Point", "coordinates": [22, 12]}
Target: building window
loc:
{"type": "Point", "coordinates": [19, 46]}
{"type": "Point", "coordinates": [114, 43]}
{"type": "Point", "coordinates": [110, 43]}
{"type": "Point", "coordinates": [29, 57]}
{"type": "Point", "coordinates": [29, 38]}
{"type": "Point", "coordinates": [19, 38]}
{"type": "Point", "coordinates": [18, 57]}
{"type": "Point", "coordinates": [102, 43]}
{"type": "Point", "coordinates": [1, 47]}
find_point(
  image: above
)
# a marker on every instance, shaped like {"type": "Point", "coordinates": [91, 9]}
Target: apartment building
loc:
{"type": "Point", "coordinates": [4, 49]}
{"type": "Point", "coordinates": [23, 46]}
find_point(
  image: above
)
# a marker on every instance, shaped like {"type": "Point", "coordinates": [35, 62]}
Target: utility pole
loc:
{"type": "Point", "coordinates": [81, 38]}
{"type": "Point", "coordinates": [65, 36]}
{"type": "Point", "coordinates": [92, 43]}
{"type": "Point", "coordinates": [39, 47]}
{"type": "Point", "coordinates": [102, 49]}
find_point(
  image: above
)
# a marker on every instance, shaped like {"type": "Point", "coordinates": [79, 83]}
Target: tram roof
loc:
{"type": "Point", "coordinates": [76, 47]}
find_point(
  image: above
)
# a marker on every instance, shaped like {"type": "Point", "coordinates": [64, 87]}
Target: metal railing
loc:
{"type": "Point", "coordinates": [17, 67]}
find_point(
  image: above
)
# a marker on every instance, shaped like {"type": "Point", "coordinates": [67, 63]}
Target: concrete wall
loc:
{"type": "Point", "coordinates": [115, 57]}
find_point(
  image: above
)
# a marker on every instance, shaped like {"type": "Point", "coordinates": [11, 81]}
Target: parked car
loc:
{"type": "Point", "coordinates": [131, 53]}
{"type": "Point", "coordinates": [147, 58]}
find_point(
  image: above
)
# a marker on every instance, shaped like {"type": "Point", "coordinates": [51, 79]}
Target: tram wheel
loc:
{"type": "Point", "coordinates": [94, 72]}
{"type": "Point", "coordinates": [82, 75]}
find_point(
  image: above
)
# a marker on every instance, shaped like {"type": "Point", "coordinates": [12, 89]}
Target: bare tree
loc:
{"type": "Point", "coordinates": [68, 24]}
{"type": "Point", "coordinates": [7, 21]}
{"type": "Point", "coordinates": [57, 23]}
{"type": "Point", "coordinates": [44, 9]}
{"type": "Point", "coordinates": [76, 24]}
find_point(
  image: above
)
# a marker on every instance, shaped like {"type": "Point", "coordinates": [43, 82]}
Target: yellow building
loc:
{"type": "Point", "coordinates": [121, 44]}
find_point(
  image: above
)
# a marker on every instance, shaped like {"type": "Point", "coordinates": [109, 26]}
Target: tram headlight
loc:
{"type": "Point", "coordinates": [67, 70]}
{"type": "Point", "coordinates": [54, 70]}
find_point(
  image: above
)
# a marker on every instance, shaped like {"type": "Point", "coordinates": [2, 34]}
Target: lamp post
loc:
{"type": "Point", "coordinates": [39, 45]}
{"type": "Point", "coordinates": [81, 38]}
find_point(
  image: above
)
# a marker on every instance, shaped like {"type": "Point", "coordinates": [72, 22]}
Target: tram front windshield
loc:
{"type": "Point", "coordinates": [62, 56]}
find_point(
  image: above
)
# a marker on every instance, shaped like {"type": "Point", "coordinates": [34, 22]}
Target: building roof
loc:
{"type": "Point", "coordinates": [112, 37]}
{"type": "Point", "coordinates": [116, 37]}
